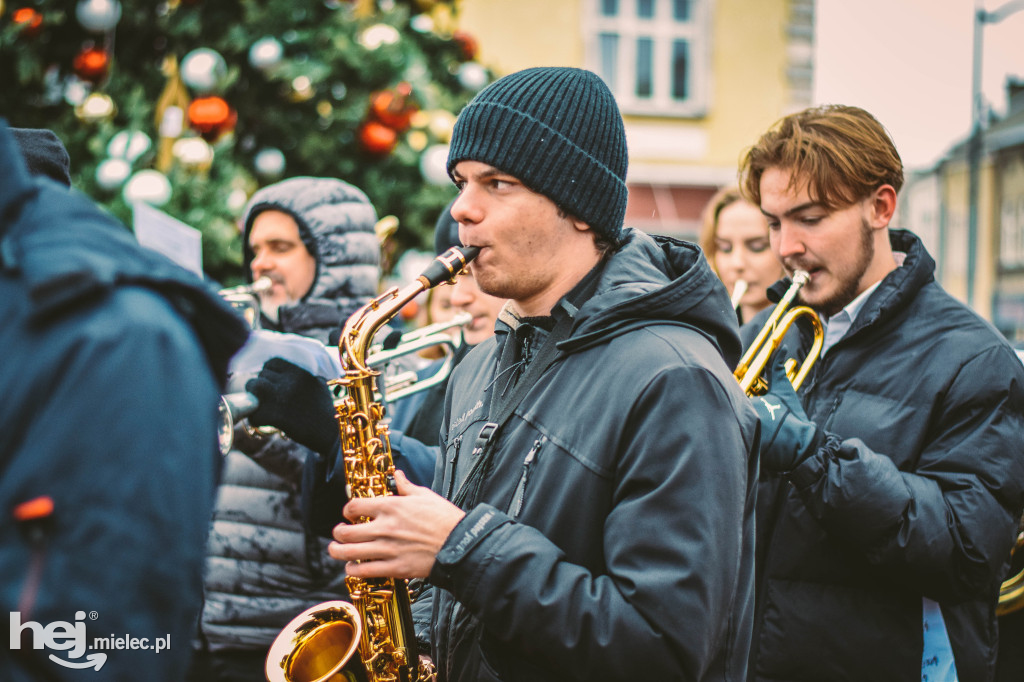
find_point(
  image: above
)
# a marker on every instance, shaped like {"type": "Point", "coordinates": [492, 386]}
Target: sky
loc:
{"type": "Point", "coordinates": [908, 62]}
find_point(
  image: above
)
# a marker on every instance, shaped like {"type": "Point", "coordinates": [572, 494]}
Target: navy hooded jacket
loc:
{"type": "Point", "coordinates": [113, 359]}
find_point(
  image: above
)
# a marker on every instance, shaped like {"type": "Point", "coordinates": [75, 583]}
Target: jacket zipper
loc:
{"type": "Point", "coordinates": [520, 493]}
{"type": "Point", "coordinates": [449, 468]}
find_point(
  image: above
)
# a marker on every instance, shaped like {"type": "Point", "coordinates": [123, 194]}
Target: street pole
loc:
{"type": "Point", "coordinates": [974, 143]}
{"type": "Point", "coordinates": [974, 152]}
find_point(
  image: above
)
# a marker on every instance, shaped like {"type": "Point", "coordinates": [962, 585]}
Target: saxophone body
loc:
{"type": "Point", "coordinates": [317, 644]}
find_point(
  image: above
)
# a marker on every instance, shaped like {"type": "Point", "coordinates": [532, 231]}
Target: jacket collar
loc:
{"type": "Point", "coordinates": [899, 287]}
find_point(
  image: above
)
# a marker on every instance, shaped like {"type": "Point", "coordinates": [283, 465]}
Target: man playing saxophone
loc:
{"type": "Point", "coordinates": [891, 487]}
{"type": "Point", "coordinates": [592, 513]}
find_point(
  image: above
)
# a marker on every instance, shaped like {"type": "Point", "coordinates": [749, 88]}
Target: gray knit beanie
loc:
{"type": "Point", "coordinates": [559, 131]}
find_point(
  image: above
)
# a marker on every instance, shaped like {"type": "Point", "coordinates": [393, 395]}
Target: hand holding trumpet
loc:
{"type": "Point", "coordinates": [296, 402]}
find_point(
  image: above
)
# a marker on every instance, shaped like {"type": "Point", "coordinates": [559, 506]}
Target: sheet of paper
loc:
{"type": "Point", "coordinates": [165, 234]}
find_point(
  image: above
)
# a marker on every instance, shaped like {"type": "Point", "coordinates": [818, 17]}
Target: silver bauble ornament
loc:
{"type": "Point", "coordinates": [150, 186]}
{"type": "Point", "coordinates": [472, 76]}
{"type": "Point", "coordinates": [203, 70]}
{"type": "Point", "coordinates": [96, 107]}
{"type": "Point", "coordinates": [129, 145]}
{"type": "Point", "coordinates": [98, 16]}
{"type": "Point", "coordinates": [111, 173]}
{"type": "Point", "coordinates": [434, 165]}
{"type": "Point", "coordinates": [379, 34]}
{"type": "Point", "coordinates": [193, 153]}
{"type": "Point", "coordinates": [269, 163]}
{"type": "Point", "coordinates": [266, 53]}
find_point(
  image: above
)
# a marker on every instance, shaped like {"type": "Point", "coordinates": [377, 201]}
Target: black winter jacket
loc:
{"type": "Point", "coordinates": [921, 500]}
{"type": "Point", "coordinates": [614, 536]}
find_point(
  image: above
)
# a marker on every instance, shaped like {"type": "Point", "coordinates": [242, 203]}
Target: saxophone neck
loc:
{"type": "Point", "coordinates": [361, 327]}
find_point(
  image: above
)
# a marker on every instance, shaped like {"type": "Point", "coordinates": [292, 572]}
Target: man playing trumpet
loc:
{"type": "Point", "coordinates": [891, 487]}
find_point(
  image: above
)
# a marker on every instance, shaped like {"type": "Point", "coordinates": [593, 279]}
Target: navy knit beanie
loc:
{"type": "Point", "coordinates": [559, 131]}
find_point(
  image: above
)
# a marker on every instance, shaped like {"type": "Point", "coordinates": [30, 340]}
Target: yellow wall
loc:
{"type": "Point", "coordinates": [518, 34]}
{"type": "Point", "coordinates": [748, 64]}
{"type": "Point", "coordinates": [748, 75]}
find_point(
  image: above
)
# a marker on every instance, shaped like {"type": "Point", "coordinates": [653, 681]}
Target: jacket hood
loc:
{"type": "Point", "coordinates": [336, 223]}
{"type": "Point", "coordinates": [657, 279]}
{"type": "Point", "coordinates": [70, 252]}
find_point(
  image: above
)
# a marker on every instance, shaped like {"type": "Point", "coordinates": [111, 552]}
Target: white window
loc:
{"type": "Point", "coordinates": [1011, 230]}
{"type": "Point", "coordinates": [653, 54]}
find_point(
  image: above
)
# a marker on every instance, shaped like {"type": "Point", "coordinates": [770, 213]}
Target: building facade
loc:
{"type": "Point", "coordinates": [697, 81]}
{"type": "Point", "coordinates": [936, 201]}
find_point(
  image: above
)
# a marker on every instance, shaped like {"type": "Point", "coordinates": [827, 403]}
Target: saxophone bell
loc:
{"type": "Point", "coordinates": [315, 645]}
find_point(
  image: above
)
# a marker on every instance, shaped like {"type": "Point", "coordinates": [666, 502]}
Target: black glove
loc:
{"type": "Point", "coordinates": [298, 403]}
{"type": "Point", "coordinates": [788, 436]}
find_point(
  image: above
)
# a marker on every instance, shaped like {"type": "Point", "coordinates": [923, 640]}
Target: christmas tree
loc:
{"type": "Point", "coordinates": [191, 105]}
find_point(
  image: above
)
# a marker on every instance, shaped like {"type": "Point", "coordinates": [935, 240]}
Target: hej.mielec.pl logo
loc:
{"type": "Point", "coordinates": [71, 638]}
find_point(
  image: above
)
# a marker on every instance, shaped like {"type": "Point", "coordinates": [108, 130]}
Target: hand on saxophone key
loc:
{"type": "Point", "coordinates": [402, 535]}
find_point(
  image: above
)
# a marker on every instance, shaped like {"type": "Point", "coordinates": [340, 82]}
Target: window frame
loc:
{"type": "Point", "coordinates": [664, 31]}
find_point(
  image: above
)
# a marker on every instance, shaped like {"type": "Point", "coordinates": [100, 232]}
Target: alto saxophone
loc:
{"type": "Point", "coordinates": [318, 643]}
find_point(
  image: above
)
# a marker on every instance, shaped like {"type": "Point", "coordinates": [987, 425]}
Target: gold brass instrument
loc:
{"type": "Point", "coordinates": [752, 364]}
{"type": "Point", "coordinates": [738, 290]}
{"type": "Point", "coordinates": [234, 407]}
{"type": "Point", "coordinates": [1011, 592]}
{"type": "Point", "coordinates": [403, 384]}
{"type": "Point", "coordinates": [245, 299]}
{"type": "Point", "coordinates": [317, 647]}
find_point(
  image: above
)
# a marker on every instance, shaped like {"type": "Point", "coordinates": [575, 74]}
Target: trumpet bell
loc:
{"type": "Point", "coordinates": [231, 408]}
{"type": "Point", "coordinates": [316, 645]}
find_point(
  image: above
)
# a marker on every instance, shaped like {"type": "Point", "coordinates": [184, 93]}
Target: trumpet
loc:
{"type": "Point", "coordinates": [738, 290]}
{"type": "Point", "coordinates": [245, 299]}
{"type": "Point", "coordinates": [234, 407]}
{"type": "Point", "coordinates": [752, 364]}
{"type": "Point", "coordinates": [1011, 590]}
{"type": "Point", "coordinates": [404, 384]}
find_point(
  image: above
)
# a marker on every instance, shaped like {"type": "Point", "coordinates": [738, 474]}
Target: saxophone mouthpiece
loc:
{"type": "Point", "coordinates": [445, 267]}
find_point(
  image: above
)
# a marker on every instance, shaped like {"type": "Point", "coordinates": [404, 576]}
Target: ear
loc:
{"type": "Point", "coordinates": [881, 206]}
{"type": "Point", "coordinates": [579, 224]}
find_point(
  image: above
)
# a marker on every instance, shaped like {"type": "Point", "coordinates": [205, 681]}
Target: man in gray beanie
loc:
{"type": "Point", "coordinates": [592, 514]}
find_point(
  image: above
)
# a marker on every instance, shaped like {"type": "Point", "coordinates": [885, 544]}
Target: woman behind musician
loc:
{"type": "Point", "coordinates": [735, 240]}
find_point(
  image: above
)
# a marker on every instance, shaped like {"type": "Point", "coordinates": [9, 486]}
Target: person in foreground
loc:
{"type": "Point", "coordinates": [892, 485]}
{"type": "Point", "coordinates": [592, 515]}
{"type": "Point", "coordinates": [114, 359]}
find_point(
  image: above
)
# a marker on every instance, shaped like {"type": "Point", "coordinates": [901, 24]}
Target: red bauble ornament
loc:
{"type": "Point", "coordinates": [92, 64]}
{"type": "Point", "coordinates": [31, 21]}
{"type": "Point", "coordinates": [394, 108]}
{"type": "Point", "coordinates": [377, 138]}
{"type": "Point", "coordinates": [211, 117]}
{"type": "Point", "coordinates": [467, 43]}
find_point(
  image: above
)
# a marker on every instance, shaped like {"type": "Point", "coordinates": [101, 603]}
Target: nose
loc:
{"type": "Point", "coordinates": [786, 242]}
{"type": "Point", "coordinates": [733, 261]}
{"type": "Point", "coordinates": [467, 209]}
{"type": "Point", "coordinates": [261, 262]}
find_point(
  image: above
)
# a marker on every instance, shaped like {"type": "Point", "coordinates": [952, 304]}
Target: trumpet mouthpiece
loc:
{"type": "Point", "coordinates": [738, 291]}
